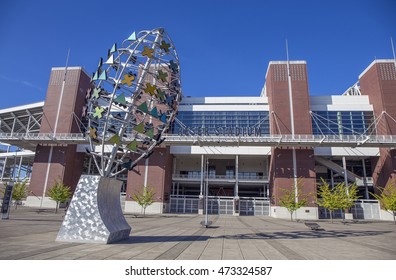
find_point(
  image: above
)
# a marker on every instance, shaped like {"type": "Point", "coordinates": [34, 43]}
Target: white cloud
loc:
{"type": "Point", "coordinates": [23, 82]}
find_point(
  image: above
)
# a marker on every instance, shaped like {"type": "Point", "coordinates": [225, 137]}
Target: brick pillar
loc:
{"type": "Point", "coordinates": [159, 178]}
{"type": "Point", "coordinates": [281, 163]}
{"type": "Point", "coordinates": [60, 162]}
{"type": "Point", "coordinates": [378, 81]}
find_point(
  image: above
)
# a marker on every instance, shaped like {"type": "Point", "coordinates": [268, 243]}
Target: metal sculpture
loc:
{"type": "Point", "coordinates": [135, 95]}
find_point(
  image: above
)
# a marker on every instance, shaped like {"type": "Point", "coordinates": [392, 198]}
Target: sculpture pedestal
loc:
{"type": "Point", "coordinates": [94, 214]}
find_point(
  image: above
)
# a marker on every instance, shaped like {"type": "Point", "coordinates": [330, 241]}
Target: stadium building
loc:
{"type": "Point", "coordinates": [243, 150]}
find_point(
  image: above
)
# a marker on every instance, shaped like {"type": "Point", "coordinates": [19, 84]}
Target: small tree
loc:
{"type": "Point", "coordinates": [288, 199]}
{"type": "Point", "coordinates": [327, 198]}
{"type": "Point", "coordinates": [348, 197]}
{"type": "Point", "coordinates": [60, 193]}
{"type": "Point", "coordinates": [339, 197]}
{"type": "Point", "coordinates": [144, 198]}
{"type": "Point", "coordinates": [19, 191]}
{"type": "Point", "coordinates": [387, 198]}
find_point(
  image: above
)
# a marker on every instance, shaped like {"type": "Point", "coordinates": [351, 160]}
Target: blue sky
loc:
{"type": "Point", "coordinates": [224, 47]}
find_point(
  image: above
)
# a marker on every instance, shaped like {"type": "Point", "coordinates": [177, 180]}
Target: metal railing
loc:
{"type": "Point", "coordinates": [285, 140]}
{"type": "Point", "coordinates": [245, 178]}
{"type": "Point", "coordinates": [242, 140]}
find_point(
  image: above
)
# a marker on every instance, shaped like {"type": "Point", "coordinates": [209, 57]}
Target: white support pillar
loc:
{"type": "Point", "coordinates": [236, 190]}
{"type": "Point", "coordinates": [146, 165]}
{"type": "Point", "coordinates": [345, 174]}
{"type": "Point", "coordinates": [202, 175]}
{"type": "Point", "coordinates": [294, 160]}
{"type": "Point", "coordinates": [365, 179]}
{"type": "Point", "coordinates": [5, 163]}
{"type": "Point", "coordinates": [173, 188]}
{"type": "Point", "coordinates": [19, 167]}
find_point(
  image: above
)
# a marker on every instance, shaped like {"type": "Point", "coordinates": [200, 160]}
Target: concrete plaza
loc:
{"type": "Point", "coordinates": [30, 234]}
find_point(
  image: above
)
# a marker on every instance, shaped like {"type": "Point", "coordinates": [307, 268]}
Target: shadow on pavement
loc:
{"type": "Point", "coordinates": [169, 238]}
{"type": "Point", "coordinates": [304, 234]}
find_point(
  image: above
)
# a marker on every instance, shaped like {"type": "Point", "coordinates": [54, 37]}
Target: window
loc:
{"type": "Point", "coordinates": [221, 123]}
{"type": "Point", "coordinates": [342, 122]}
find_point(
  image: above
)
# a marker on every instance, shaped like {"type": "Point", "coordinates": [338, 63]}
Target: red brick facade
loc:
{"type": "Point", "coordinates": [65, 163]}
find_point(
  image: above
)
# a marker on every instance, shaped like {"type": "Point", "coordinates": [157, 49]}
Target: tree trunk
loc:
{"type": "Point", "coordinates": [144, 211]}
{"type": "Point", "coordinates": [16, 204]}
{"type": "Point", "coordinates": [394, 218]}
{"type": "Point", "coordinates": [331, 216]}
{"type": "Point", "coordinates": [291, 216]}
{"type": "Point", "coordinates": [56, 207]}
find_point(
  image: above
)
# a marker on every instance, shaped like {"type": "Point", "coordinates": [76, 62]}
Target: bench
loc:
{"type": "Point", "coordinates": [313, 226]}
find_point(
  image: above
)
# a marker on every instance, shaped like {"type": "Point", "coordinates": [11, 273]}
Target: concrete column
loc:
{"type": "Point", "coordinates": [146, 165]}
{"type": "Point", "coordinates": [201, 197]}
{"type": "Point", "coordinates": [202, 175]}
{"type": "Point", "coordinates": [332, 178]}
{"type": "Point", "coordinates": [174, 165]}
{"type": "Point", "coordinates": [345, 173]}
{"type": "Point", "coordinates": [365, 179]}
{"type": "Point", "coordinates": [236, 175]}
{"type": "Point", "coordinates": [19, 167]}
{"type": "Point", "coordinates": [4, 167]}
{"type": "Point", "coordinates": [173, 188]}
{"type": "Point", "coordinates": [236, 196]}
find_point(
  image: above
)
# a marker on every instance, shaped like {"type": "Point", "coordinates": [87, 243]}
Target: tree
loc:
{"type": "Point", "coordinates": [60, 193]}
{"type": "Point", "coordinates": [19, 192]}
{"type": "Point", "coordinates": [387, 198]}
{"type": "Point", "coordinates": [288, 199]}
{"type": "Point", "coordinates": [339, 197]}
{"type": "Point", "coordinates": [327, 198]}
{"type": "Point", "coordinates": [144, 198]}
{"type": "Point", "coordinates": [348, 197]}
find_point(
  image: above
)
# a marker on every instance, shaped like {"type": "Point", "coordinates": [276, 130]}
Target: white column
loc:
{"type": "Point", "coordinates": [345, 173]}
{"type": "Point", "coordinates": [202, 175]}
{"type": "Point", "coordinates": [365, 179]}
{"type": "Point", "coordinates": [19, 167]}
{"type": "Point", "coordinates": [146, 172]}
{"type": "Point", "coordinates": [236, 175]}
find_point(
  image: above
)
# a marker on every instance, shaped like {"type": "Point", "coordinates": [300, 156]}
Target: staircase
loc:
{"type": "Point", "coordinates": [340, 170]}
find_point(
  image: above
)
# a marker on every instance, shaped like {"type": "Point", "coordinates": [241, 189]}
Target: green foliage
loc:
{"type": "Point", "coordinates": [144, 198]}
{"type": "Point", "coordinates": [19, 191]}
{"type": "Point", "coordinates": [339, 197]}
{"type": "Point", "coordinates": [288, 199]}
{"type": "Point", "coordinates": [387, 198]}
{"type": "Point", "coordinates": [60, 193]}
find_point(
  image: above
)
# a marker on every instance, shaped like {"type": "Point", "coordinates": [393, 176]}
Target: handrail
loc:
{"type": "Point", "coordinates": [212, 140]}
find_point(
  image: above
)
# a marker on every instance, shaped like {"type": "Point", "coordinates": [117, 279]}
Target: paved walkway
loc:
{"type": "Point", "coordinates": [31, 235]}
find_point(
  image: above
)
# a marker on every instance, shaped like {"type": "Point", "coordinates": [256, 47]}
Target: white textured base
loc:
{"type": "Point", "coordinates": [155, 208]}
{"type": "Point", "coordinates": [386, 216]}
{"type": "Point", "coordinates": [32, 201]}
{"type": "Point", "coordinates": [94, 214]}
{"type": "Point", "coordinates": [304, 213]}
